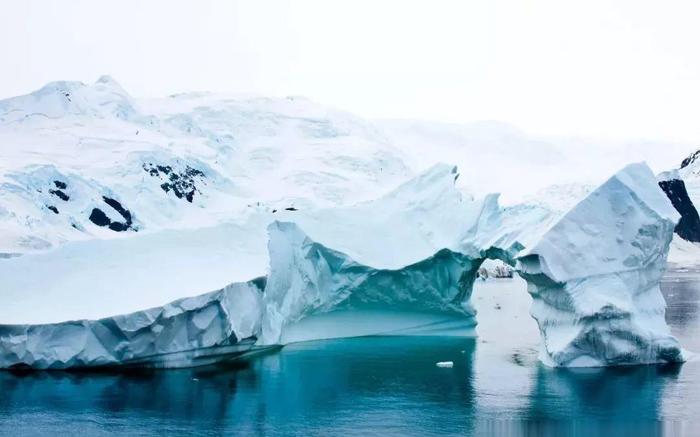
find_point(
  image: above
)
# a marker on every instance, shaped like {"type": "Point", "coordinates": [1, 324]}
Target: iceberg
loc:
{"type": "Point", "coordinates": [403, 264]}
{"type": "Point", "coordinates": [593, 270]}
{"type": "Point", "coordinates": [398, 254]}
{"type": "Point", "coordinates": [594, 276]}
{"type": "Point", "coordinates": [189, 332]}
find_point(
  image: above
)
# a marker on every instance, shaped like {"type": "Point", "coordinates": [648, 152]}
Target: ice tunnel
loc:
{"type": "Point", "coordinates": [405, 264]}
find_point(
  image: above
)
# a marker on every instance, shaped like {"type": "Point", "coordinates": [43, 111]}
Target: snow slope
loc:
{"type": "Point", "coordinates": [84, 161]}
{"type": "Point", "coordinates": [189, 160]}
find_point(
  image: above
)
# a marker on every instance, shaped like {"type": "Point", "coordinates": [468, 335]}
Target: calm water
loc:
{"type": "Point", "coordinates": [383, 386]}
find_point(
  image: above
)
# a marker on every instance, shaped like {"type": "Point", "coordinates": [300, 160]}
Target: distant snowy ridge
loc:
{"type": "Point", "coordinates": [88, 161]}
{"type": "Point", "coordinates": [199, 159]}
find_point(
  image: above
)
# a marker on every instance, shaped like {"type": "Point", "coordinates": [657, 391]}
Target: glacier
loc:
{"type": "Point", "coordinates": [402, 264]}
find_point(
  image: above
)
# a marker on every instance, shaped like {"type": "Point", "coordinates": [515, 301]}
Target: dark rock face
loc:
{"type": "Point", "coordinates": [98, 217]}
{"type": "Point", "coordinates": [119, 208]}
{"type": "Point", "coordinates": [688, 227]}
{"type": "Point", "coordinates": [690, 159]}
{"type": "Point", "coordinates": [60, 185]}
{"type": "Point", "coordinates": [60, 194]}
{"type": "Point", "coordinates": [182, 183]}
{"type": "Point", "coordinates": [52, 208]}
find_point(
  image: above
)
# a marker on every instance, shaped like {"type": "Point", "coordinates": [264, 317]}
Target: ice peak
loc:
{"type": "Point", "coordinates": [105, 98]}
{"type": "Point", "coordinates": [109, 82]}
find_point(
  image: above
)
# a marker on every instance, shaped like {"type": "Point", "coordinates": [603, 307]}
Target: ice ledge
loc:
{"type": "Point", "coordinates": [188, 332]}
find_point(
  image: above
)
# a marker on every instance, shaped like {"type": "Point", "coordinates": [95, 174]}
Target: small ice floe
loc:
{"type": "Point", "coordinates": [445, 364]}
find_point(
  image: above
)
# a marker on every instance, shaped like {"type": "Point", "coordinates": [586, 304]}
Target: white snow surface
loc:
{"type": "Point", "coordinates": [683, 254]}
{"type": "Point", "coordinates": [251, 152]}
{"type": "Point", "coordinates": [102, 278]}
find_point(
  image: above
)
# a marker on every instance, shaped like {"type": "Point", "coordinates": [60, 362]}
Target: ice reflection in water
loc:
{"type": "Point", "coordinates": [389, 384]}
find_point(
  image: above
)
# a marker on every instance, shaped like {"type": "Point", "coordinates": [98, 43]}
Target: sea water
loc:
{"type": "Point", "coordinates": [382, 386]}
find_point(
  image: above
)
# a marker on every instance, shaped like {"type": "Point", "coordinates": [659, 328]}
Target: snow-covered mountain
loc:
{"type": "Point", "coordinates": [87, 161]}
{"type": "Point", "coordinates": [682, 186]}
{"type": "Point", "coordinates": [82, 161]}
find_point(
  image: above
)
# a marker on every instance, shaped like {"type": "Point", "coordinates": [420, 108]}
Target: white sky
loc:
{"type": "Point", "coordinates": [616, 69]}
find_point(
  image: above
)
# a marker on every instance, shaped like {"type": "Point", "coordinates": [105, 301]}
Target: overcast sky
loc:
{"type": "Point", "coordinates": [612, 68]}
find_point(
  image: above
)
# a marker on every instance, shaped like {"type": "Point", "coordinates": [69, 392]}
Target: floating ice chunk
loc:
{"type": "Point", "coordinates": [189, 332]}
{"type": "Point", "coordinates": [593, 270]}
{"type": "Point", "coordinates": [448, 364]}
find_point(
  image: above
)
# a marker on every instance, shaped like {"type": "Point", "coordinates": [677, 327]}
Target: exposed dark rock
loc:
{"type": "Point", "coordinates": [291, 208]}
{"type": "Point", "coordinates": [99, 218]}
{"type": "Point", "coordinates": [118, 226]}
{"type": "Point", "coordinates": [688, 227]}
{"type": "Point", "coordinates": [60, 194]}
{"type": "Point", "coordinates": [181, 183]}
{"type": "Point", "coordinates": [119, 208]}
{"type": "Point", "coordinates": [60, 185]}
{"type": "Point", "coordinates": [690, 159]}
{"type": "Point", "coordinates": [52, 208]}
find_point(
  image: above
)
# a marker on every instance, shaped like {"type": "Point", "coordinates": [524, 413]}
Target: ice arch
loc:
{"type": "Point", "coordinates": [405, 264]}
{"type": "Point", "coordinates": [593, 271]}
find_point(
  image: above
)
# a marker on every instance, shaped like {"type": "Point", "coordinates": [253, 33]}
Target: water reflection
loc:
{"type": "Point", "coordinates": [391, 383]}
{"type": "Point", "coordinates": [622, 393]}
{"type": "Point", "coordinates": [682, 293]}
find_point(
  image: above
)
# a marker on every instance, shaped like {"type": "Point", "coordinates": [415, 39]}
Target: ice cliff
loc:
{"type": "Point", "coordinates": [594, 276]}
{"type": "Point", "coordinates": [593, 271]}
{"type": "Point", "coordinates": [189, 332]}
{"type": "Point", "coordinates": [401, 254]}
{"type": "Point", "coordinates": [404, 264]}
